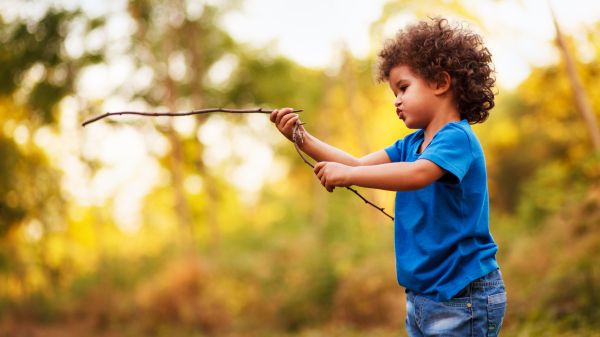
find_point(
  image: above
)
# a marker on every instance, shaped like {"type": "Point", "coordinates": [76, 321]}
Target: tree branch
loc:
{"type": "Point", "coordinates": [175, 114]}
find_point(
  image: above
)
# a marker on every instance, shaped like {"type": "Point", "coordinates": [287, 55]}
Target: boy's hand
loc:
{"type": "Point", "coordinates": [284, 120]}
{"type": "Point", "coordinates": [333, 174]}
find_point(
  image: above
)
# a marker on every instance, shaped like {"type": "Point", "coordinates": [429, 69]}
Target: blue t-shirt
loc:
{"type": "Point", "coordinates": [442, 236]}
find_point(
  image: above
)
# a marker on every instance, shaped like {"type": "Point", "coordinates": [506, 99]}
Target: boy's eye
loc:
{"type": "Point", "coordinates": [403, 88]}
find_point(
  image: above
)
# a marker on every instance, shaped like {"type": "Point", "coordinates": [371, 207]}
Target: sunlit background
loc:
{"type": "Point", "coordinates": [212, 225]}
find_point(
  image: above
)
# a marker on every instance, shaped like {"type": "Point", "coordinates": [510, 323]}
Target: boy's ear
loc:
{"type": "Point", "coordinates": [442, 83]}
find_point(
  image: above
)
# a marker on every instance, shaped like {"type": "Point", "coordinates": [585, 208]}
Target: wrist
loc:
{"type": "Point", "coordinates": [351, 175]}
{"type": "Point", "coordinates": [305, 138]}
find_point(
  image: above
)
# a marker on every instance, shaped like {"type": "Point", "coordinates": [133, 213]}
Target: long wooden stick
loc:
{"type": "Point", "coordinates": [174, 114]}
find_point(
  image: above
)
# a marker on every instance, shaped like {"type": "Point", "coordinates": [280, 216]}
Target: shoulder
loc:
{"type": "Point", "coordinates": [459, 134]}
{"type": "Point", "coordinates": [452, 149]}
{"type": "Point", "coordinates": [460, 129]}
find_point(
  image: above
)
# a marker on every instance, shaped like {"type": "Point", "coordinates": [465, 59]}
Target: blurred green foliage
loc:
{"type": "Point", "coordinates": [295, 261]}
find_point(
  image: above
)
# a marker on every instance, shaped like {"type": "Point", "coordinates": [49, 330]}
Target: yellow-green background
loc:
{"type": "Point", "coordinates": [204, 256]}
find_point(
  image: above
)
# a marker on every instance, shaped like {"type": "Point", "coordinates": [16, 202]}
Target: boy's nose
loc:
{"type": "Point", "coordinates": [398, 101]}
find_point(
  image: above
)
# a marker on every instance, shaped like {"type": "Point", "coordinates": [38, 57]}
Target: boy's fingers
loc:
{"type": "Point", "coordinates": [273, 115]}
{"type": "Point", "coordinates": [318, 167]}
{"type": "Point", "coordinates": [320, 172]}
{"type": "Point", "coordinates": [279, 116]}
{"type": "Point", "coordinates": [285, 119]}
{"type": "Point", "coordinates": [281, 113]}
{"type": "Point", "coordinates": [290, 122]}
{"type": "Point", "coordinates": [328, 187]}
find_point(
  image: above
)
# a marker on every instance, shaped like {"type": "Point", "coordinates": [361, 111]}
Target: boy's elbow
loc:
{"type": "Point", "coordinates": [420, 181]}
{"type": "Point", "coordinates": [412, 182]}
{"type": "Point", "coordinates": [425, 175]}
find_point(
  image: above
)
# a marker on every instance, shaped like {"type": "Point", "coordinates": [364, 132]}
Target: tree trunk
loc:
{"type": "Point", "coordinates": [581, 99]}
{"type": "Point", "coordinates": [176, 161]}
{"type": "Point", "coordinates": [211, 209]}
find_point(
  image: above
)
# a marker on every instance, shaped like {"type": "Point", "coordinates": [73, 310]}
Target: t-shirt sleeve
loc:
{"type": "Point", "coordinates": [394, 151]}
{"type": "Point", "coordinates": [450, 149]}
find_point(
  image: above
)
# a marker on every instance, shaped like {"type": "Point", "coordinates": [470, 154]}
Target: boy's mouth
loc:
{"type": "Point", "coordinates": [400, 113]}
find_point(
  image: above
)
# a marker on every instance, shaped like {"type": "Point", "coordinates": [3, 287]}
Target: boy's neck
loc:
{"type": "Point", "coordinates": [443, 116]}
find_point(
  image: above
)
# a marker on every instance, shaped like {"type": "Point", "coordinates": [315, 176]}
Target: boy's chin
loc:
{"type": "Point", "coordinates": [413, 124]}
{"type": "Point", "coordinates": [410, 125]}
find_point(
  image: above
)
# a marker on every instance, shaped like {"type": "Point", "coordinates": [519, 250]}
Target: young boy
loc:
{"type": "Point", "coordinates": [442, 78]}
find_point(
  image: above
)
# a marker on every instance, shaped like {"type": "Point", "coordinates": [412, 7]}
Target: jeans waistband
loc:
{"type": "Point", "coordinates": [491, 279]}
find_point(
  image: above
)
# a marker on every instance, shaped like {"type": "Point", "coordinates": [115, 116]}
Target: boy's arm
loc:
{"type": "Point", "coordinates": [401, 176]}
{"type": "Point", "coordinates": [285, 119]}
{"type": "Point", "coordinates": [321, 151]}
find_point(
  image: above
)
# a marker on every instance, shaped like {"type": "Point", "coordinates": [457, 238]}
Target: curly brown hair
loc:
{"type": "Point", "coordinates": [430, 48]}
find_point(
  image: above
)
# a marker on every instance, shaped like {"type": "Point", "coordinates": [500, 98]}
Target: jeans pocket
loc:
{"type": "Point", "coordinates": [496, 308]}
{"type": "Point", "coordinates": [458, 302]}
{"type": "Point", "coordinates": [450, 318]}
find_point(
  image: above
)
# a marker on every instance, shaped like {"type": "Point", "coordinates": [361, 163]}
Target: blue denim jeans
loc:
{"type": "Point", "coordinates": [477, 310]}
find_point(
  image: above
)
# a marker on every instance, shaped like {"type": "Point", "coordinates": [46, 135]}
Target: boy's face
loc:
{"type": "Point", "coordinates": [415, 97]}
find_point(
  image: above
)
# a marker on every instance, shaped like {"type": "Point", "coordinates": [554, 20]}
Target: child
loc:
{"type": "Point", "coordinates": [442, 78]}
